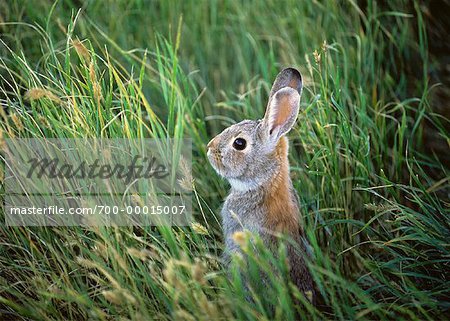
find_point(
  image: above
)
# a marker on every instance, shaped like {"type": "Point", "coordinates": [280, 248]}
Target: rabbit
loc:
{"type": "Point", "coordinates": [253, 156]}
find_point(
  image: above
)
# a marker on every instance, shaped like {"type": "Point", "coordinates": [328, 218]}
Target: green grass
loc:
{"type": "Point", "coordinates": [374, 198]}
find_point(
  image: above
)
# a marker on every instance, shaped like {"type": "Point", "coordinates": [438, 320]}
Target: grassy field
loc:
{"type": "Point", "coordinates": [369, 154]}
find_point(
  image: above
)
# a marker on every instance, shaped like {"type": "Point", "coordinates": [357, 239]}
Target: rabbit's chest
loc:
{"type": "Point", "coordinates": [239, 216]}
{"type": "Point", "coordinates": [244, 207]}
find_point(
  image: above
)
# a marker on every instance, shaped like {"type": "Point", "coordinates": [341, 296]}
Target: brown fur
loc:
{"type": "Point", "coordinates": [283, 212]}
{"type": "Point", "coordinates": [283, 114]}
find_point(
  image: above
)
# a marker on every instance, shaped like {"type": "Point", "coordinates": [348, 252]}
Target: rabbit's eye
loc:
{"type": "Point", "coordinates": [239, 144]}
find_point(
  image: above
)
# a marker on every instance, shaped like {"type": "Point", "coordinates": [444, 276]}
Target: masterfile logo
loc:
{"type": "Point", "coordinates": [97, 181]}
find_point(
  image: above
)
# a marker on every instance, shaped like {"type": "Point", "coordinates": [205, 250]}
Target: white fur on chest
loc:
{"type": "Point", "coordinates": [243, 186]}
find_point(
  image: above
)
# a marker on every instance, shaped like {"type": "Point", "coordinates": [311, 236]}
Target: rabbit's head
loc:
{"type": "Point", "coordinates": [250, 153]}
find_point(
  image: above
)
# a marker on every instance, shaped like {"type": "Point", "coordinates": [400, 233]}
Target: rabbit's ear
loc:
{"type": "Point", "coordinates": [289, 77]}
{"type": "Point", "coordinates": [281, 113]}
{"type": "Point", "coordinates": [283, 106]}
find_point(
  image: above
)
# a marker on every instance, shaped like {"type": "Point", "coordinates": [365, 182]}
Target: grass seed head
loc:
{"type": "Point", "coordinates": [113, 297]}
{"type": "Point", "coordinates": [241, 238]}
{"type": "Point", "coordinates": [119, 297]}
{"type": "Point", "coordinates": [171, 276]}
{"type": "Point", "coordinates": [39, 93]}
{"type": "Point", "coordinates": [142, 254]}
{"type": "Point", "coordinates": [44, 121]}
{"type": "Point", "coordinates": [17, 122]}
{"type": "Point", "coordinates": [181, 314]}
{"type": "Point", "coordinates": [316, 57]}
{"type": "Point", "coordinates": [95, 85]}
{"type": "Point", "coordinates": [199, 228]}
{"type": "Point", "coordinates": [324, 46]}
{"type": "Point", "coordinates": [186, 182]}
{"type": "Point", "coordinates": [81, 50]}
{"type": "Point", "coordinates": [198, 272]}
{"type": "Point", "coordinates": [2, 140]}
{"type": "Point", "coordinates": [208, 307]}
